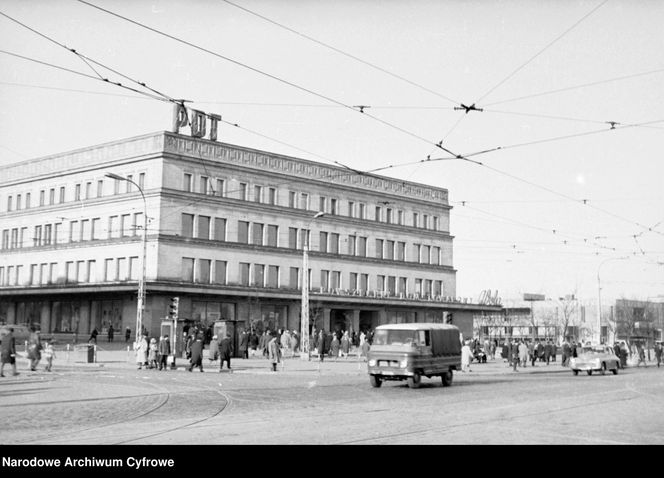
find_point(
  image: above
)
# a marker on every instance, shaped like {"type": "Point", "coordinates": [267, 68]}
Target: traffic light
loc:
{"type": "Point", "coordinates": [173, 308]}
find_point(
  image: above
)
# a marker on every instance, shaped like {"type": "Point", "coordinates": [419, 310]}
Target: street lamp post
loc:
{"type": "Point", "coordinates": [598, 335]}
{"type": "Point", "coordinates": [140, 305]}
{"type": "Point", "coordinates": [305, 350]}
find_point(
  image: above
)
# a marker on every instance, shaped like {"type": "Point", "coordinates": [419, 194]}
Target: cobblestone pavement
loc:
{"type": "Point", "coordinates": [111, 402]}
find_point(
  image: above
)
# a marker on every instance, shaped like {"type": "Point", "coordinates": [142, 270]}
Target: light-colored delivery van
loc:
{"type": "Point", "coordinates": [411, 351]}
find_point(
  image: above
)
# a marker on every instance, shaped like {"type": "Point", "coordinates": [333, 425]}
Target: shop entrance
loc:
{"type": "Point", "coordinates": [368, 320]}
{"type": "Point", "coordinates": [341, 321]}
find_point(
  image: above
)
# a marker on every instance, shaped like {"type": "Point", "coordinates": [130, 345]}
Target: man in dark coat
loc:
{"type": "Point", "coordinates": [111, 331]}
{"type": "Point", "coordinates": [616, 350]}
{"type": "Point", "coordinates": [127, 334]}
{"type": "Point", "coordinates": [547, 351]}
{"type": "Point", "coordinates": [164, 351]}
{"type": "Point", "coordinates": [34, 349]}
{"type": "Point", "coordinates": [8, 352]}
{"type": "Point", "coordinates": [197, 353]}
{"type": "Point", "coordinates": [225, 351]}
{"type": "Point", "coordinates": [321, 345]}
{"type": "Point", "coordinates": [244, 345]}
{"type": "Point", "coordinates": [253, 342]}
{"type": "Point", "coordinates": [93, 335]}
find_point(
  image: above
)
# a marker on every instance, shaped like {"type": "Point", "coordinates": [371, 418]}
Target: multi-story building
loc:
{"type": "Point", "coordinates": [226, 228]}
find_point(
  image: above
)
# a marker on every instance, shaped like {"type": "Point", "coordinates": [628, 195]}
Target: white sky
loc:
{"type": "Point", "coordinates": [484, 52]}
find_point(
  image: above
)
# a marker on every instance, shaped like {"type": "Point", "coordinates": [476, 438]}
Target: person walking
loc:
{"type": "Point", "coordinates": [567, 351]}
{"type": "Point", "coordinates": [164, 352]}
{"type": "Point", "coordinates": [197, 353]}
{"type": "Point", "coordinates": [213, 352]}
{"type": "Point", "coordinates": [127, 335]}
{"type": "Point", "coordinates": [334, 347]}
{"type": "Point", "coordinates": [93, 336]}
{"type": "Point", "coordinates": [225, 352]}
{"type": "Point", "coordinates": [320, 345]}
{"type": "Point", "coordinates": [523, 353]}
{"type": "Point", "coordinates": [547, 351]}
{"type": "Point", "coordinates": [49, 355]}
{"type": "Point", "coordinates": [641, 353]}
{"type": "Point", "coordinates": [8, 352]}
{"type": "Point", "coordinates": [345, 345]}
{"type": "Point", "coordinates": [142, 348]}
{"type": "Point", "coordinates": [244, 344]}
{"type": "Point", "coordinates": [285, 341]}
{"type": "Point", "coordinates": [515, 355]}
{"type": "Point", "coordinates": [295, 342]}
{"type": "Point", "coordinates": [466, 357]}
{"type": "Point", "coordinates": [34, 349]}
{"type": "Point", "coordinates": [253, 343]}
{"type": "Point", "coordinates": [152, 354]}
{"type": "Point", "coordinates": [111, 332]}
{"type": "Point", "coordinates": [274, 352]}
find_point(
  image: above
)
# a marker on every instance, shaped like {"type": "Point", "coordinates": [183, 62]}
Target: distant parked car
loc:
{"type": "Point", "coordinates": [598, 358]}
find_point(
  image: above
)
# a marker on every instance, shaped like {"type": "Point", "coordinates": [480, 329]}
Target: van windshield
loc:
{"type": "Point", "coordinates": [396, 337]}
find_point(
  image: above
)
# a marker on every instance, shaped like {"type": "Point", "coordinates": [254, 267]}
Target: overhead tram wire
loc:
{"type": "Point", "coordinates": [551, 43]}
{"type": "Point", "coordinates": [341, 52]}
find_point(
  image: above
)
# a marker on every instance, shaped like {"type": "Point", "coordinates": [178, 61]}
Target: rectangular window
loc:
{"type": "Point", "coordinates": [100, 188]}
{"type": "Point", "coordinates": [436, 223]}
{"type": "Point", "coordinates": [364, 281]}
{"type": "Point", "coordinates": [14, 244]}
{"type": "Point", "coordinates": [34, 274]}
{"type": "Point", "coordinates": [379, 248]}
{"type": "Point", "coordinates": [123, 269]}
{"type": "Point", "coordinates": [51, 196]}
{"type": "Point", "coordinates": [416, 252]}
{"type": "Point", "coordinates": [53, 272]}
{"type": "Point", "coordinates": [389, 250]}
{"type": "Point", "coordinates": [388, 215]}
{"type": "Point", "coordinates": [92, 271]}
{"type": "Point", "coordinates": [292, 198]}
{"type": "Point", "coordinates": [425, 221]}
{"type": "Point", "coordinates": [109, 270]}
{"type": "Point", "coordinates": [379, 213]}
{"type": "Point", "coordinates": [243, 191]}
{"type": "Point", "coordinates": [203, 227]}
{"type": "Point", "coordinates": [5, 239]}
{"type": "Point", "coordinates": [129, 185]}
{"type": "Point", "coordinates": [38, 236]}
{"type": "Point", "coordinates": [43, 274]}
{"type": "Point", "coordinates": [380, 282]}
{"type": "Point", "coordinates": [187, 225]}
{"type": "Point", "coordinates": [85, 230]}
{"type": "Point", "coordinates": [187, 181]}
{"type": "Point", "coordinates": [322, 205]}
{"type": "Point", "coordinates": [42, 197]}
{"type": "Point", "coordinates": [9, 203]}
{"type": "Point", "coordinates": [10, 275]}
{"type": "Point", "coordinates": [134, 268]}
{"type": "Point", "coordinates": [292, 237]}
{"type": "Point", "coordinates": [113, 226]}
{"type": "Point", "coordinates": [272, 235]}
{"type": "Point", "coordinates": [334, 243]}
{"type": "Point", "coordinates": [71, 271]}
{"type": "Point", "coordinates": [220, 272]}
{"type": "Point", "coordinates": [28, 196]}
{"type": "Point", "coordinates": [400, 218]}
{"type": "Point", "coordinates": [258, 193]}
{"type": "Point", "coordinates": [416, 219]}
{"type": "Point", "coordinates": [257, 234]}
{"type": "Point", "coordinates": [335, 280]}
{"type": "Point", "coordinates": [141, 180]}
{"type": "Point", "coordinates": [401, 251]}
{"type": "Point", "coordinates": [96, 229]}
{"type": "Point", "coordinates": [352, 243]}
{"type": "Point", "coordinates": [324, 279]}
{"type": "Point", "coordinates": [203, 271]}
{"type": "Point", "coordinates": [438, 287]}
{"type": "Point", "coordinates": [259, 275]}
{"type": "Point", "coordinates": [205, 185]}
{"type": "Point", "coordinates": [18, 202]}
{"type": "Point", "coordinates": [220, 188]}
{"type": "Point", "coordinates": [74, 231]}
{"type": "Point", "coordinates": [62, 194]}
{"type": "Point", "coordinates": [2, 276]}
{"type": "Point", "coordinates": [294, 277]}
{"type": "Point", "coordinates": [351, 209]}
{"type": "Point", "coordinates": [403, 285]}
{"type": "Point", "coordinates": [125, 225]}
{"type": "Point", "coordinates": [81, 271]}
{"type": "Point", "coordinates": [428, 289]}
{"type": "Point", "coordinates": [116, 186]}
{"type": "Point", "coordinates": [188, 269]}
{"type": "Point", "coordinates": [88, 190]}
{"type": "Point", "coordinates": [435, 255]}
{"type": "Point", "coordinates": [138, 223]}
{"type": "Point", "coordinates": [418, 286]}
{"type": "Point", "coordinates": [322, 244]}
{"type": "Point", "coordinates": [219, 229]}
{"type": "Point", "coordinates": [243, 232]}
{"type": "Point", "coordinates": [244, 273]}
{"type": "Point", "coordinates": [426, 254]}
{"type": "Point", "coordinates": [362, 246]}
{"type": "Point", "coordinates": [352, 281]}
{"type": "Point", "coordinates": [391, 285]}
{"type": "Point", "coordinates": [333, 206]}
{"type": "Point", "coordinates": [305, 238]}
{"type": "Point", "coordinates": [273, 276]}
{"type": "Point", "coordinates": [57, 233]}
{"type": "Point", "coordinates": [304, 201]}
{"type": "Point", "coordinates": [362, 212]}
{"type": "Point", "coordinates": [272, 196]}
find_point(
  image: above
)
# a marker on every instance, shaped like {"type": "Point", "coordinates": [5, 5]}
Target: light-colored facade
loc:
{"type": "Point", "coordinates": [226, 226]}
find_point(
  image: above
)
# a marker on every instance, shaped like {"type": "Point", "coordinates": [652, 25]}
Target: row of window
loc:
{"type": "Point", "coordinates": [116, 226]}
{"type": "Point", "coordinates": [269, 195]}
{"type": "Point", "coordinates": [207, 271]}
{"type": "Point", "coordinates": [114, 269]}
{"type": "Point", "coordinates": [207, 227]}
{"type": "Point", "coordinates": [81, 191]}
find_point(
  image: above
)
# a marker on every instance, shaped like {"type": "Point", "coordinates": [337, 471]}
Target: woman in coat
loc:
{"type": "Point", "coordinates": [345, 344]}
{"type": "Point", "coordinates": [213, 353]}
{"type": "Point", "coordinates": [334, 347]}
{"type": "Point", "coordinates": [274, 352]}
{"type": "Point", "coordinates": [466, 357]}
{"type": "Point", "coordinates": [244, 344]}
{"type": "Point", "coordinates": [197, 353]}
{"type": "Point", "coordinates": [142, 348]}
{"type": "Point", "coordinates": [34, 349]}
{"type": "Point", "coordinates": [8, 352]}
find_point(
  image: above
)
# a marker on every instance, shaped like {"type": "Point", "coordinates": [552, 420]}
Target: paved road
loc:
{"type": "Point", "coordinates": [333, 403]}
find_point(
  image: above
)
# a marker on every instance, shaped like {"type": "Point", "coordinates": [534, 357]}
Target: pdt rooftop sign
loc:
{"type": "Point", "coordinates": [197, 120]}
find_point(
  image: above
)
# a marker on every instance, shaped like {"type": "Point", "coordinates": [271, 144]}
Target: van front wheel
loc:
{"type": "Point", "coordinates": [376, 382]}
{"type": "Point", "coordinates": [415, 380]}
{"type": "Point", "coordinates": [447, 378]}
